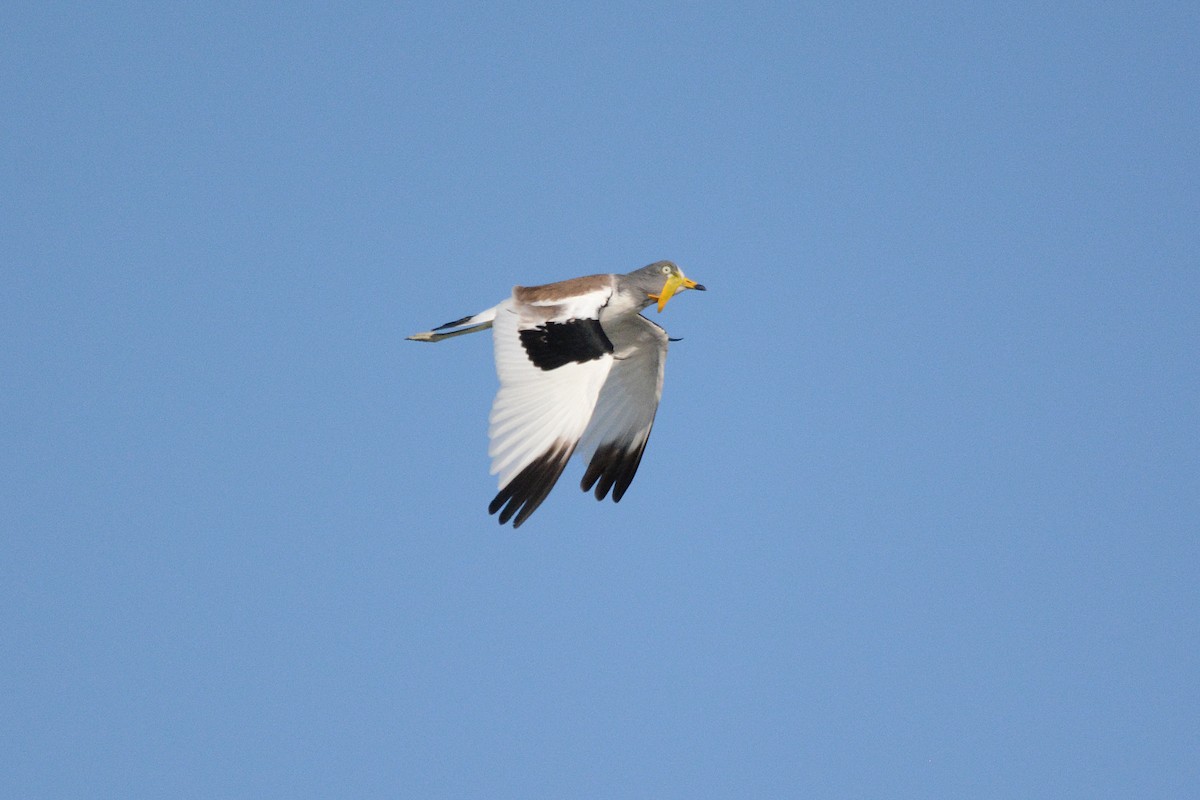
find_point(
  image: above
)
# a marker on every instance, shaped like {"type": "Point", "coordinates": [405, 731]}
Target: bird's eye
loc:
{"type": "Point", "coordinates": [666, 270]}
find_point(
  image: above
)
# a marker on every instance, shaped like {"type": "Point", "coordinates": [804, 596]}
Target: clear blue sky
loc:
{"type": "Point", "coordinates": [920, 515]}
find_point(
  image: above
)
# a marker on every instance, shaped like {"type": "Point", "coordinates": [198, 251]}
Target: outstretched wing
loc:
{"type": "Point", "coordinates": [620, 426]}
{"type": "Point", "coordinates": [552, 358]}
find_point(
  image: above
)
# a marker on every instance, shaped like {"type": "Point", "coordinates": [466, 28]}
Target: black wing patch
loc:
{"type": "Point", "coordinates": [613, 467]}
{"type": "Point", "coordinates": [554, 344]}
{"type": "Point", "coordinates": [524, 493]}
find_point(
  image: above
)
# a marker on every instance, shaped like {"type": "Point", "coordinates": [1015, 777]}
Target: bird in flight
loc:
{"type": "Point", "coordinates": [580, 370]}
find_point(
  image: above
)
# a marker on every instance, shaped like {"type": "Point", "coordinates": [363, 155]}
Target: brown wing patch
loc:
{"type": "Point", "coordinates": [553, 292]}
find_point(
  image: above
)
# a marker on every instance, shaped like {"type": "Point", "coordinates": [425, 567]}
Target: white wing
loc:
{"type": "Point", "coordinates": [552, 360]}
{"type": "Point", "coordinates": [620, 427]}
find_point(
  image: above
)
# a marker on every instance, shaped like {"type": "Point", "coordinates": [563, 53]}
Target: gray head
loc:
{"type": "Point", "coordinates": [660, 281]}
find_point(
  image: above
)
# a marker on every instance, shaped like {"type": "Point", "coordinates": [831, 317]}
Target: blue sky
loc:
{"type": "Point", "coordinates": [919, 516]}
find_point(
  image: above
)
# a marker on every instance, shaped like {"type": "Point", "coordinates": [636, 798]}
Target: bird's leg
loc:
{"type": "Point", "coordinates": [434, 336]}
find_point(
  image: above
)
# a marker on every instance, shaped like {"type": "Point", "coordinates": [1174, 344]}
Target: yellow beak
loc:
{"type": "Point", "coordinates": [672, 285]}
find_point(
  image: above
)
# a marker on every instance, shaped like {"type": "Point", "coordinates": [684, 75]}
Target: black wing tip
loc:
{"type": "Point", "coordinates": [521, 496]}
{"type": "Point", "coordinates": [613, 468]}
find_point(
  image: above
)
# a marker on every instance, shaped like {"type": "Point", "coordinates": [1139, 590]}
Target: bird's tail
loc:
{"type": "Point", "coordinates": [480, 322]}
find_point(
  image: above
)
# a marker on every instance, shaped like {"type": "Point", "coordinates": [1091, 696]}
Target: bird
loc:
{"type": "Point", "coordinates": [581, 371]}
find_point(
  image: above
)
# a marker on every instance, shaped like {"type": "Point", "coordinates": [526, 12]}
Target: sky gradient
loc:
{"type": "Point", "coordinates": [919, 515]}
